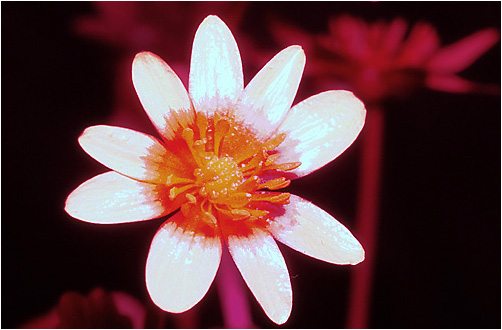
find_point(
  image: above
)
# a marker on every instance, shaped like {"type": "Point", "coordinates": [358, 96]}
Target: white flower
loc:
{"type": "Point", "coordinates": [223, 148]}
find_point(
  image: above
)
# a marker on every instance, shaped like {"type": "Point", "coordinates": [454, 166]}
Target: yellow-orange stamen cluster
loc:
{"type": "Point", "coordinates": [223, 184]}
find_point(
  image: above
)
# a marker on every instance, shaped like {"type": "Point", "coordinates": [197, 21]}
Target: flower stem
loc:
{"type": "Point", "coordinates": [367, 217]}
{"type": "Point", "coordinates": [232, 291]}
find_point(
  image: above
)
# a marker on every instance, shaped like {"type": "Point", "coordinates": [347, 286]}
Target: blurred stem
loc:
{"type": "Point", "coordinates": [233, 296]}
{"type": "Point", "coordinates": [187, 320]}
{"type": "Point", "coordinates": [366, 226]}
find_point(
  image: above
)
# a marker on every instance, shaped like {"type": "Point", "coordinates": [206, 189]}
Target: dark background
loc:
{"type": "Point", "coordinates": [438, 258]}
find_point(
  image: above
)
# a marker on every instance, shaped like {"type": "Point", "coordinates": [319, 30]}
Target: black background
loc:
{"type": "Point", "coordinates": [438, 260]}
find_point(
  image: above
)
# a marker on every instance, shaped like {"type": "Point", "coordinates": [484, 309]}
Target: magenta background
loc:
{"type": "Point", "coordinates": [439, 241]}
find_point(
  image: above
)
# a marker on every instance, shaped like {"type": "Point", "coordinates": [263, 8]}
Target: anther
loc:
{"type": "Point", "coordinates": [285, 166]}
{"type": "Point", "coordinates": [191, 198]}
{"type": "Point", "coordinates": [275, 141]}
{"type": "Point", "coordinates": [272, 159]}
{"type": "Point", "coordinates": [240, 214]}
{"type": "Point", "coordinates": [275, 184]}
{"type": "Point", "coordinates": [210, 218]}
{"type": "Point", "coordinates": [276, 198]}
{"type": "Point", "coordinates": [175, 191]}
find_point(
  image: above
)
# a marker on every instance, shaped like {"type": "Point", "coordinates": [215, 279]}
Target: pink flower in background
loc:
{"type": "Point", "coordinates": [99, 309]}
{"type": "Point", "coordinates": [166, 28]}
{"type": "Point", "coordinates": [380, 60]}
{"type": "Point", "coordinates": [223, 152]}
{"type": "Point", "coordinates": [133, 26]}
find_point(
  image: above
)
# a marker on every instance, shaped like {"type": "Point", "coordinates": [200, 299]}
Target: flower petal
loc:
{"type": "Point", "coordinates": [393, 37]}
{"type": "Point", "coordinates": [312, 231]}
{"type": "Point", "coordinates": [161, 93]}
{"type": "Point", "coordinates": [319, 129]}
{"type": "Point", "coordinates": [268, 97]}
{"type": "Point", "coordinates": [349, 36]}
{"type": "Point", "coordinates": [421, 43]}
{"type": "Point", "coordinates": [216, 78]}
{"type": "Point", "coordinates": [128, 152]}
{"type": "Point", "coordinates": [454, 84]}
{"type": "Point", "coordinates": [263, 268]}
{"type": "Point", "coordinates": [111, 198]}
{"type": "Point", "coordinates": [181, 266]}
{"type": "Point", "coordinates": [458, 56]}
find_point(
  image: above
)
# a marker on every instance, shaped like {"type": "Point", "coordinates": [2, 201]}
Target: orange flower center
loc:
{"type": "Point", "coordinates": [227, 172]}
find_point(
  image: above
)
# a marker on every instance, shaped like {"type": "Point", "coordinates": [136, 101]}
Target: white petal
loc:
{"type": "Point", "coordinates": [111, 198]}
{"type": "Point", "coordinates": [263, 268]}
{"type": "Point", "coordinates": [128, 152]}
{"type": "Point", "coordinates": [161, 93]}
{"type": "Point", "coordinates": [312, 231]}
{"type": "Point", "coordinates": [216, 78]}
{"type": "Point", "coordinates": [181, 266]}
{"type": "Point", "coordinates": [269, 96]}
{"type": "Point", "coordinates": [319, 129]}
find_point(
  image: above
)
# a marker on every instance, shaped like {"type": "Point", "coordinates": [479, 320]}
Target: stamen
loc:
{"type": "Point", "coordinates": [175, 191]}
{"type": "Point", "coordinates": [171, 179]}
{"type": "Point", "coordinates": [275, 141]}
{"type": "Point", "coordinates": [258, 213]}
{"type": "Point", "coordinates": [199, 147]}
{"type": "Point", "coordinates": [191, 198]}
{"type": "Point", "coordinates": [239, 199]}
{"type": "Point", "coordinates": [212, 219]}
{"type": "Point", "coordinates": [251, 184]}
{"type": "Point", "coordinates": [272, 159]}
{"type": "Point", "coordinates": [240, 214]}
{"type": "Point", "coordinates": [221, 128]}
{"type": "Point", "coordinates": [276, 198]}
{"type": "Point", "coordinates": [284, 167]}
{"type": "Point", "coordinates": [256, 161]}
{"type": "Point", "coordinates": [275, 184]}
{"type": "Point", "coordinates": [187, 135]}
{"type": "Point", "coordinates": [201, 122]}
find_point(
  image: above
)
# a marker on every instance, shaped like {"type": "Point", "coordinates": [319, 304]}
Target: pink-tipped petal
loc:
{"type": "Point", "coordinates": [319, 129]}
{"type": "Point", "coordinates": [181, 266]}
{"type": "Point", "coordinates": [313, 232]}
{"type": "Point", "coordinates": [111, 198]}
{"type": "Point", "coordinates": [263, 268]}
{"type": "Point", "coordinates": [216, 78]}
{"type": "Point", "coordinates": [268, 97]}
{"type": "Point", "coordinates": [458, 56]}
{"type": "Point", "coordinates": [161, 93]}
{"type": "Point", "coordinates": [128, 152]}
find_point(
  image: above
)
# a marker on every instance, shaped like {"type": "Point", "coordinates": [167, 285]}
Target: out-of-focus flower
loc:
{"type": "Point", "coordinates": [98, 310]}
{"type": "Point", "coordinates": [133, 26]}
{"type": "Point", "coordinates": [379, 61]}
{"type": "Point", "coordinates": [129, 27]}
{"type": "Point", "coordinates": [222, 146]}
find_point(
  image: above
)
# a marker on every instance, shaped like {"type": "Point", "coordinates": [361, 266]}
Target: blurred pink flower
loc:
{"type": "Point", "coordinates": [222, 144]}
{"type": "Point", "coordinates": [99, 309]}
{"type": "Point", "coordinates": [379, 61]}
{"type": "Point", "coordinates": [164, 27]}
